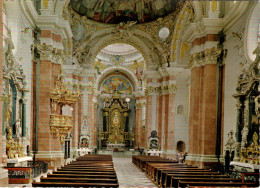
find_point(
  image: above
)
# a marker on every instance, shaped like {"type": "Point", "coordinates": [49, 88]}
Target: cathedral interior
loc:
{"type": "Point", "coordinates": [128, 78]}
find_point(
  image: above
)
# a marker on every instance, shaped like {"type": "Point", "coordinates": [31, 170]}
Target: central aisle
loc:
{"type": "Point", "coordinates": [129, 175]}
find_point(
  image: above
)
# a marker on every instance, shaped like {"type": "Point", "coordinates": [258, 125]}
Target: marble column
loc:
{"type": "Point", "coordinates": [138, 122]}
{"type": "Point", "coordinates": [159, 119]}
{"type": "Point", "coordinates": [209, 107]}
{"type": "Point", "coordinates": [49, 145]}
{"type": "Point", "coordinates": [170, 99]}
{"type": "Point", "coordinates": [194, 113]}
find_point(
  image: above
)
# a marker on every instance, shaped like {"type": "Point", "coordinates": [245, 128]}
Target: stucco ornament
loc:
{"type": "Point", "coordinates": [124, 29]}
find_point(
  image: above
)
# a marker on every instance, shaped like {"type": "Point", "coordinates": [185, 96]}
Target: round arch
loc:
{"type": "Point", "coordinates": [189, 13]}
{"type": "Point", "coordinates": [137, 38]}
{"type": "Point", "coordinates": [252, 31]}
{"type": "Point", "coordinates": [128, 74]}
{"type": "Point", "coordinates": [136, 42]}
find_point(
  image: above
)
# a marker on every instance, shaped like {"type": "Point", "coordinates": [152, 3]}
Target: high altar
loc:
{"type": "Point", "coordinates": [115, 130]}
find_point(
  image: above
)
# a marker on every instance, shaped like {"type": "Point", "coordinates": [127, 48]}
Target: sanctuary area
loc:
{"type": "Point", "coordinates": [131, 93]}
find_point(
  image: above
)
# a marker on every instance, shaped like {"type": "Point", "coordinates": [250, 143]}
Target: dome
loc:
{"type": "Point", "coordinates": [115, 11]}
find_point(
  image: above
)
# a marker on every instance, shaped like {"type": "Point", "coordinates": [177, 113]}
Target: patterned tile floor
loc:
{"type": "Point", "coordinates": [129, 175]}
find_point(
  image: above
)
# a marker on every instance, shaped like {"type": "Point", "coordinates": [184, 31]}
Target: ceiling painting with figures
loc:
{"type": "Point", "coordinates": [117, 84]}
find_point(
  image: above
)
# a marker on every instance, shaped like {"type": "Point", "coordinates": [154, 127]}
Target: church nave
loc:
{"type": "Point", "coordinates": [177, 79]}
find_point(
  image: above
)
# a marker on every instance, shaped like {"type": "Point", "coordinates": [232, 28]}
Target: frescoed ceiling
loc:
{"type": "Point", "coordinates": [122, 55]}
{"type": "Point", "coordinates": [116, 11]}
{"type": "Point", "coordinates": [119, 49]}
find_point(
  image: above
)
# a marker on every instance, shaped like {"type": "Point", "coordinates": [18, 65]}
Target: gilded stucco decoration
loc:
{"type": "Point", "coordinates": [247, 142]}
{"type": "Point", "coordinates": [62, 94]}
{"type": "Point", "coordinates": [161, 90]}
{"type": "Point", "coordinates": [48, 53]}
{"type": "Point", "coordinates": [206, 57]}
{"type": "Point", "coordinates": [140, 105]}
{"type": "Point", "coordinates": [14, 92]}
{"type": "Point", "coordinates": [154, 50]}
{"type": "Point", "coordinates": [186, 16]}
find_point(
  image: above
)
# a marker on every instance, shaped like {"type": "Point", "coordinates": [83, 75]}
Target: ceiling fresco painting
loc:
{"type": "Point", "coordinates": [120, 55]}
{"type": "Point", "coordinates": [116, 11]}
{"type": "Point", "coordinates": [117, 84]}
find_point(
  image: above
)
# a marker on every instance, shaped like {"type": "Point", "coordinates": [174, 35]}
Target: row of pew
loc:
{"type": "Point", "coordinates": [173, 174]}
{"type": "Point", "coordinates": [86, 171]}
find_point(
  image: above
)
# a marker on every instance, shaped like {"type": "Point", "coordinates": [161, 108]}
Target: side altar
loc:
{"type": "Point", "coordinates": [115, 132]}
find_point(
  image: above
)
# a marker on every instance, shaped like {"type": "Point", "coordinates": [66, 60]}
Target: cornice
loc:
{"type": "Point", "coordinates": [161, 90]}
{"type": "Point", "coordinates": [53, 22]}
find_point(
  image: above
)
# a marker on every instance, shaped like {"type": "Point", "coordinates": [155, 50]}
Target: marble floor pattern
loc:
{"type": "Point", "coordinates": [129, 175]}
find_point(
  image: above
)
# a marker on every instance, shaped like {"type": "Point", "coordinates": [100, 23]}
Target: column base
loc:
{"type": "Point", "coordinates": [74, 153]}
{"type": "Point", "coordinates": [55, 159]}
{"type": "Point", "coordinates": [3, 177]}
{"type": "Point", "coordinates": [171, 154]}
{"type": "Point", "coordinates": [203, 160]}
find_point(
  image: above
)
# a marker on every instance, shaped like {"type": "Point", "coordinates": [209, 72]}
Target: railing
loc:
{"type": "Point", "coordinates": [104, 135]}
{"type": "Point", "coordinates": [43, 165]}
{"type": "Point", "coordinates": [23, 175]}
{"type": "Point", "coordinates": [60, 125]}
{"type": "Point", "coordinates": [19, 175]}
{"type": "Point", "coordinates": [61, 120]}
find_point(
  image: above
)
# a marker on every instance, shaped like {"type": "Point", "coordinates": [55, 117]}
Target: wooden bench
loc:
{"type": "Point", "coordinates": [175, 180]}
{"type": "Point", "coordinates": [86, 171]}
{"type": "Point", "coordinates": [83, 176]}
{"type": "Point", "coordinates": [70, 184]}
{"type": "Point", "coordinates": [170, 176]}
{"type": "Point", "coordinates": [151, 168]}
{"type": "Point", "coordinates": [161, 177]}
{"type": "Point", "coordinates": [140, 160]}
{"type": "Point", "coordinates": [83, 172]}
{"type": "Point", "coordinates": [79, 180]}
{"type": "Point", "coordinates": [94, 169]}
{"type": "Point", "coordinates": [216, 184]}
{"type": "Point", "coordinates": [158, 171]}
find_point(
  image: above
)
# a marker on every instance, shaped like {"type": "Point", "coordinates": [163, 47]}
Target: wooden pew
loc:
{"type": "Point", "coordinates": [86, 171]}
{"type": "Point", "coordinates": [94, 169]}
{"type": "Point", "coordinates": [83, 172]}
{"type": "Point", "coordinates": [152, 167]}
{"type": "Point", "coordinates": [83, 176]}
{"type": "Point", "coordinates": [140, 160]}
{"type": "Point", "coordinates": [79, 180]}
{"type": "Point", "coordinates": [216, 184]}
{"type": "Point", "coordinates": [71, 184]}
{"type": "Point", "coordinates": [162, 176]}
{"type": "Point", "coordinates": [169, 177]}
{"type": "Point", "coordinates": [175, 180]}
{"type": "Point", "coordinates": [157, 171]}
{"type": "Point", "coordinates": [88, 168]}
